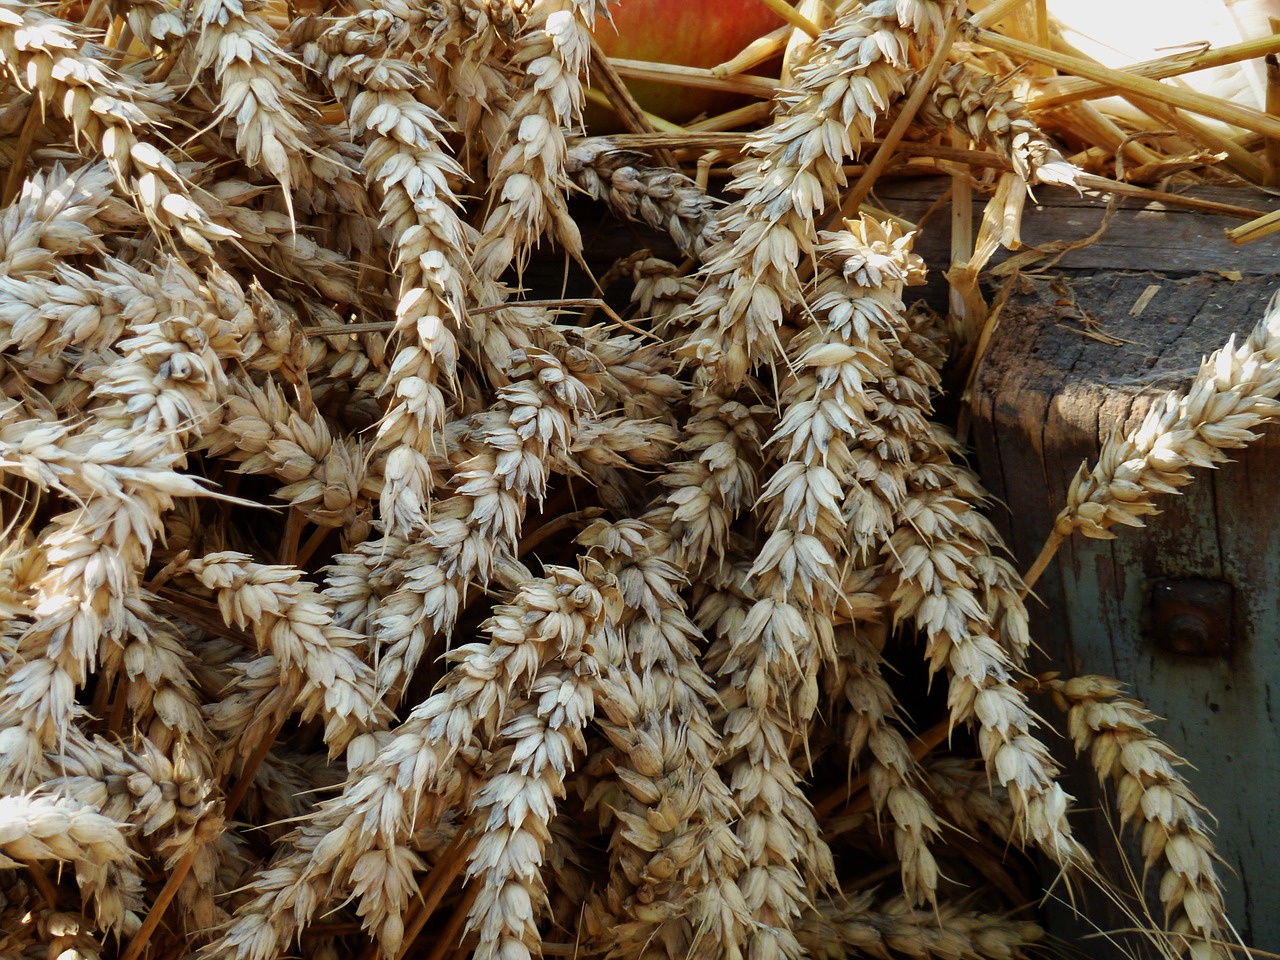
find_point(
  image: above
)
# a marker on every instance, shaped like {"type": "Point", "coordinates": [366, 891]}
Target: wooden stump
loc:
{"type": "Point", "coordinates": [1069, 364]}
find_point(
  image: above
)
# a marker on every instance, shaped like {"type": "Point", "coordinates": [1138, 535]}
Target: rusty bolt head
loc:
{"type": "Point", "coordinates": [1192, 617]}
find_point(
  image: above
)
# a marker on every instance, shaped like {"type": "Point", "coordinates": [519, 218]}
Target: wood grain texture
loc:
{"type": "Point", "coordinates": [1045, 399]}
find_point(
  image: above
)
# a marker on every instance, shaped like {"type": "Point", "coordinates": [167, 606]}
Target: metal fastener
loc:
{"type": "Point", "coordinates": [1192, 617]}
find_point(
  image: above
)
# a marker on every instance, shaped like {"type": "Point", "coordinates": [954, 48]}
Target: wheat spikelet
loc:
{"type": "Point", "coordinates": [171, 801]}
{"type": "Point", "coordinates": [893, 775]}
{"type": "Point", "coordinates": [973, 101]}
{"type": "Point", "coordinates": [959, 625]}
{"type": "Point", "coordinates": [37, 828]}
{"type": "Point", "coordinates": [514, 448]}
{"type": "Point", "coordinates": [718, 478]}
{"type": "Point", "coordinates": [94, 553]}
{"type": "Point", "coordinates": [326, 476]}
{"type": "Point", "coordinates": [786, 858]}
{"type": "Point", "coordinates": [53, 218]}
{"type": "Point", "coordinates": [541, 730]}
{"type": "Point", "coordinates": [470, 43]}
{"type": "Point", "coordinates": [661, 290]}
{"type": "Point", "coordinates": [655, 569]}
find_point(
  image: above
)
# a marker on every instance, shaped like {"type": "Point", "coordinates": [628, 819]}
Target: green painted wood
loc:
{"type": "Point", "coordinates": [1045, 397]}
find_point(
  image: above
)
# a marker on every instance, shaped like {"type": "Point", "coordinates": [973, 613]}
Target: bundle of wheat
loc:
{"type": "Point", "coordinates": [359, 599]}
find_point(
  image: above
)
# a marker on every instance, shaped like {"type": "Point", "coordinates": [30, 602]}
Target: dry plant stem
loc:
{"type": "Point", "coordinates": [455, 926]}
{"type": "Point", "coordinates": [1255, 229]}
{"type": "Point", "coordinates": [18, 166]}
{"type": "Point", "coordinates": [1089, 181]}
{"type": "Point", "coordinates": [622, 102]}
{"type": "Point", "coordinates": [155, 914]}
{"type": "Point", "coordinates": [1069, 89]}
{"type": "Point", "coordinates": [698, 78]}
{"type": "Point", "coordinates": [435, 885]}
{"type": "Point", "coordinates": [1152, 793]}
{"type": "Point", "coordinates": [792, 16]}
{"type": "Point", "coordinates": [855, 70]}
{"type": "Point", "coordinates": [1246, 117]}
{"type": "Point", "coordinates": [1271, 150]}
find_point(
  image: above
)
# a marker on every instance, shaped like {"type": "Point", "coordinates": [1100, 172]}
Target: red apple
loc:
{"type": "Point", "coordinates": [691, 33]}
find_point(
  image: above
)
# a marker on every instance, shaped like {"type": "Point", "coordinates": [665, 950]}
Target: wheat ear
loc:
{"type": "Point", "coordinates": [1233, 393]}
{"type": "Point", "coordinates": [105, 108]}
{"type": "Point", "coordinates": [857, 925]}
{"type": "Point", "coordinates": [408, 163]}
{"type": "Point", "coordinates": [1149, 791]}
{"type": "Point", "coordinates": [290, 618]}
{"type": "Point", "coordinates": [404, 782]}
{"type": "Point", "coordinates": [974, 101]}
{"type": "Point", "coordinates": [259, 94]}
{"type": "Point", "coordinates": [854, 72]}
{"type": "Point", "coordinates": [634, 189]}
{"type": "Point", "coordinates": [674, 854]}
{"type": "Point", "coordinates": [528, 179]}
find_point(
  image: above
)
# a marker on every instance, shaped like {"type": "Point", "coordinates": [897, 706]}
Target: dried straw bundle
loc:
{"type": "Point", "coordinates": [354, 598]}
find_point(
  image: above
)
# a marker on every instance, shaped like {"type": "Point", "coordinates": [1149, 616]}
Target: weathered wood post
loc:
{"type": "Point", "coordinates": [1186, 610]}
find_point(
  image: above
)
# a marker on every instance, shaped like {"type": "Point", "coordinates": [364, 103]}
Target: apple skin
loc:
{"type": "Point", "coordinates": [691, 33]}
